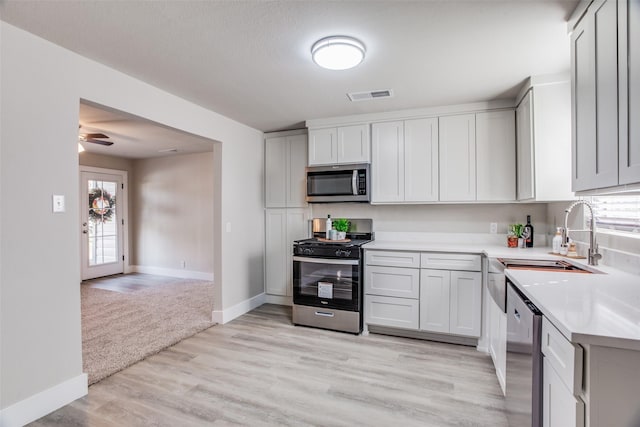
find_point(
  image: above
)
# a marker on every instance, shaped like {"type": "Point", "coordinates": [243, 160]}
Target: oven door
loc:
{"type": "Point", "coordinates": [323, 282]}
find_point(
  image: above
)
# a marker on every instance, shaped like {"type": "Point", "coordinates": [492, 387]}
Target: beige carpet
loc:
{"type": "Point", "coordinates": [120, 329]}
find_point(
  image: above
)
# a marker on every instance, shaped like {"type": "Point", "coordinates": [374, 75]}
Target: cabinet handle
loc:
{"type": "Point", "coordinates": [324, 314]}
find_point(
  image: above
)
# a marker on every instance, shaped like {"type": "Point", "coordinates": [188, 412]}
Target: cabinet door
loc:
{"type": "Point", "coordinates": [434, 300]}
{"type": "Point", "coordinates": [496, 156]}
{"type": "Point", "coordinates": [594, 65]}
{"type": "Point", "coordinates": [275, 171]}
{"type": "Point", "coordinates": [296, 171]}
{"type": "Point", "coordinates": [323, 146]}
{"type": "Point", "coordinates": [559, 407]}
{"type": "Point", "coordinates": [354, 144]}
{"type": "Point", "coordinates": [392, 281]}
{"type": "Point", "coordinates": [629, 69]}
{"type": "Point", "coordinates": [387, 169]}
{"type": "Point", "coordinates": [525, 167]}
{"type": "Point", "coordinates": [465, 303]}
{"type": "Point", "coordinates": [497, 333]}
{"type": "Point", "coordinates": [297, 228]}
{"type": "Point", "coordinates": [421, 160]}
{"type": "Point", "coordinates": [457, 154]}
{"type": "Point", "coordinates": [276, 254]}
{"type": "Point", "coordinates": [388, 311]}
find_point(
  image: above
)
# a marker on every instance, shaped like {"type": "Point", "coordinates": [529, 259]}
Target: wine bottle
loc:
{"type": "Point", "coordinates": [528, 233]}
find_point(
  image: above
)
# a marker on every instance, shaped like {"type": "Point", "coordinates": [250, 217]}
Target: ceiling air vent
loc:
{"type": "Point", "coordinates": [367, 96]}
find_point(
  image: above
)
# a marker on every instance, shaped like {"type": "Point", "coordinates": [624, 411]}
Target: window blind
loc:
{"type": "Point", "coordinates": [621, 213]}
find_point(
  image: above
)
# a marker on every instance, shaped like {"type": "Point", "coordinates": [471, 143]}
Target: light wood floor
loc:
{"type": "Point", "coordinates": [261, 370]}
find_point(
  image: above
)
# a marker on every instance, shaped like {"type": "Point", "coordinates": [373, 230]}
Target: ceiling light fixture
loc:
{"type": "Point", "coordinates": [337, 52]}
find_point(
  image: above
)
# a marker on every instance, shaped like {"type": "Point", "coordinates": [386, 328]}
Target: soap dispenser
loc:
{"type": "Point", "coordinates": [557, 241]}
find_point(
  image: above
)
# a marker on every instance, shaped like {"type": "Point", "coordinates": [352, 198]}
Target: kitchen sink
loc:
{"type": "Point", "coordinates": [542, 265]}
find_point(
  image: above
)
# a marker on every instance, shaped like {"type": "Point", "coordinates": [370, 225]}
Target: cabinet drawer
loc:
{"type": "Point", "coordinates": [565, 357]}
{"type": "Point", "coordinates": [389, 311]}
{"type": "Point", "coordinates": [393, 258]}
{"type": "Point", "coordinates": [444, 261]}
{"type": "Point", "coordinates": [392, 281]}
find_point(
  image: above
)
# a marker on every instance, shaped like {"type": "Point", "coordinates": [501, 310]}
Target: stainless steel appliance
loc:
{"type": "Point", "coordinates": [327, 278]}
{"type": "Point", "coordinates": [524, 360]}
{"type": "Point", "coordinates": [338, 183]}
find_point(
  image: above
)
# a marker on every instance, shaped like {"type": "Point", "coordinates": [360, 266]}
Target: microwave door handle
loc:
{"type": "Point", "coordinates": [354, 182]}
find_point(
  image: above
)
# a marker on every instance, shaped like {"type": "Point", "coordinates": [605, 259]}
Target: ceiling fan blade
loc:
{"type": "Point", "coordinates": [95, 135]}
{"type": "Point", "coordinates": [98, 141]}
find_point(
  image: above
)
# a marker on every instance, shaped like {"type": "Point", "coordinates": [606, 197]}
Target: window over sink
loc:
{"type": "Point", "coordinates": [620, 213]}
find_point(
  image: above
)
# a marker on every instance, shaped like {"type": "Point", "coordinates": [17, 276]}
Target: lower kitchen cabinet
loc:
{"type": "Point", "coordinates": [497, 334]}
{"type": "Point", "coordinates": [450, 302]}
{"type": "Point", "coordinates": [282, 227]}
{"type": "Point", "coordinates": [389, 311]}
{"type": "Point", "coordinates": [560, 408]}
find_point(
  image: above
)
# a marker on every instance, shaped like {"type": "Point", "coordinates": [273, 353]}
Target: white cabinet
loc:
{"type": "Point", "coordinates": [595, 98]}
{"type": "Point", "coordinates": [560, 408]}
{"type": "Point", "coordinates": [405, 161]}
{"type": "Point", "coordinates": [392, 289]}
{"type": "Point", "coordinates": [339, 145]}
{"type": "Point", "coordinates": [387, 162]}
{"type": "Point", "coordinates": [457, 157]}
{"type": "Point", "coordinates": [496, 156]}
{"type": "Point", "coordinates": [561, 379]}
{"type": "Point", "coordinates": [497, 328]}
{"type": "Point", "coordinates": [543, 126]}
{"type": "Point", "coordinates": [421, 160]}
{"type": "Point", "coordinates": [282, 227]}
{"type": "Point", "coordinates": [605, 64]}
{"type": "Point", "coordinates": [285, 178]}
{"type": "Point", "coordinates": [629, 91]}
{"type": "Point", "coordinates": [451, 300]}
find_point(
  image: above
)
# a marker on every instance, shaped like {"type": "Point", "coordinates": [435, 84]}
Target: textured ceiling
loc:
{"type": "Point", "coordinates": [250, 61]}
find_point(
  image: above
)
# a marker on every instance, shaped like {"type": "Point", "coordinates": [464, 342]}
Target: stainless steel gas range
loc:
{"type": "Point", "coordinates": [327, 278]}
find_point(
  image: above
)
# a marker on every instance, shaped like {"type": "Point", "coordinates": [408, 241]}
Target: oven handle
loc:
{"type": "Point", "coordinates": [354, 182]}
{"type": "Point", "coordinates": [327, 261]}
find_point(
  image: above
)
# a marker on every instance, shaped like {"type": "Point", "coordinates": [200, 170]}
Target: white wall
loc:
{"type": "Point", "coordinates": [42, 85]}
{"type": "Point", "coordinates": [172, 212]}
{"type": "Point", "coordinates": [440, 218]}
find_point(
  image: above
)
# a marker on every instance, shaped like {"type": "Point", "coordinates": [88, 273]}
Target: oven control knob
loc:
{"type": "Point", "coordinates": [307, 251]}
{"type": "Point", "coordinates": [343, 253]}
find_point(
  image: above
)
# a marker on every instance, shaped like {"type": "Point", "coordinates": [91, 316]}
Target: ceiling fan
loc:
{"type": "Point", "coordinates": [95, 138]}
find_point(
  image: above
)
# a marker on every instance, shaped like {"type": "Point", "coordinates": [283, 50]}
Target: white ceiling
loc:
{"type": "Point", "coordinates": [249, 60]}
{"type": "Point", "coordinates": [134, 137]}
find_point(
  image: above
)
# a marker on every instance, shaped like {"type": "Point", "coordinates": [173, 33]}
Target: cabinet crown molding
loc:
{"type": "Point", "coordinates": [411, 113]}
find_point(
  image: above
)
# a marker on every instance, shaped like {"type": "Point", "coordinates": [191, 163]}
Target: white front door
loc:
{"type": "Point", "coordinates": [101, 215]}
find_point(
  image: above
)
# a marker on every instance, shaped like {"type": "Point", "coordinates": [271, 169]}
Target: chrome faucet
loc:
{"type": "Point", "coordinates": [592, 256]}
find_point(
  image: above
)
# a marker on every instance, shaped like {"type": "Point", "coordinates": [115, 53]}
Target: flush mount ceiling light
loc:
{"type": "Point", "coordinates": [337, 52]}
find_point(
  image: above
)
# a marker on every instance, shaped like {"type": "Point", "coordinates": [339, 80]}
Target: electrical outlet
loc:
{"type": "Point", "coordinates": [493, 228]}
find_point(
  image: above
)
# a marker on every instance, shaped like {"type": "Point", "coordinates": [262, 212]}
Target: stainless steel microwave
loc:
{"type": "Point", "coordinates": [339, 183]}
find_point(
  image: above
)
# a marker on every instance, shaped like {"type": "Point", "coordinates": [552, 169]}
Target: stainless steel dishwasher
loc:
{"type": "Point", "coordinates": [524, 360]}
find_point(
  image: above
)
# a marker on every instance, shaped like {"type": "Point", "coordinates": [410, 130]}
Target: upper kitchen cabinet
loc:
{"type": "Point", "coordinates": [405, 161]}
{"type": "Point", "coordinates": [339, 145]}
{"type": "Point", "coordinates": [605, 66]}
{"type": "Point", "coordinates": [285, 163]}
{"type": "Point", "coordinates": [629, 78]}
{"type": "Point", "coordinates": [457, 154]}
{"type": "Point", "coordinates": [543, 128]}
{"type": "Point", "coordinates": [496, 156]}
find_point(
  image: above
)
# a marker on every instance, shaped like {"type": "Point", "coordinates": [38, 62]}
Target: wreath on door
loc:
{"type": "Point", "coordinates": [101, 205]}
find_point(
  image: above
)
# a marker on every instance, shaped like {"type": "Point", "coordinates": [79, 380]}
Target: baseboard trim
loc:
{"type": "Point", "coordinates": [171, 272]}
{"type": "Point", "coordinates": [278, 299]}
{"type": "Point", "coordinates": [227, 315]}
{"type": "Point", "coordinates": [45, 402]}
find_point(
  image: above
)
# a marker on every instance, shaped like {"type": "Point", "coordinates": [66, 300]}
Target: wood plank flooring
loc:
{"type": "Point", "coordinates": [261, 370]}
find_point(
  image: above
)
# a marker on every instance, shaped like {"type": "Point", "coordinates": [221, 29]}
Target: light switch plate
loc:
{"type": "Point", "coordinates": [58, 203]}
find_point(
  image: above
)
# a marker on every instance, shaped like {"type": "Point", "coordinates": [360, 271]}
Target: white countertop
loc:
{"type": "Point", "coordinates": [598, 309]}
